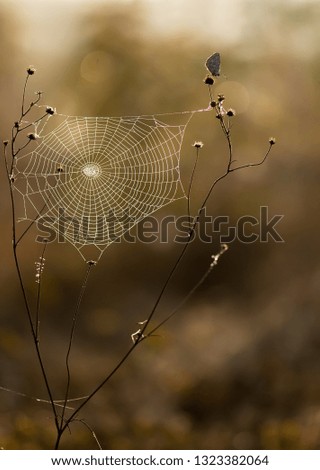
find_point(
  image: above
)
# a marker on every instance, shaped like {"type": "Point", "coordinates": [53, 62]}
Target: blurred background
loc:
{"type": "Point", "coordinates": [239, 367]}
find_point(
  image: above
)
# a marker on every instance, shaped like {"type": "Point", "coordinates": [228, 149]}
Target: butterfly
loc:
{"type": "Point", "coordinates": [213, 64]}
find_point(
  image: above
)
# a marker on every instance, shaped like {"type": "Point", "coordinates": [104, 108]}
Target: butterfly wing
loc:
{"type": "Point", "coordinates": [213, 64]}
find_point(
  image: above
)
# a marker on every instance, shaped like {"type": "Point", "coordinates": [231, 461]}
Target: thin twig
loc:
{"type": "Point", "coordinates": [94, 392]}
{"type": "Point", "coordinates": [214, 262]}
{"type": "Point", "coordinates": [28, 310]}
{"type": "Point", "coordinates": [197, 145]}
{"type": "Point", "coordinates": [31, 224]}
{"type": "Point", "coordinates": [90, 264]}
{"type": "Point", "coordinates": [33, 123]}
{"type": "Point", "coordinates": [133, 347]}
{"type": "Point", "coordinates": [82, 421]}
{"type": "Point", "coordinates": [23, 113]}
{"type": "Point", "coordinates": [9, 171]}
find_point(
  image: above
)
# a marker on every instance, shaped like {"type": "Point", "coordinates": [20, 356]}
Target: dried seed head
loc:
{"type": "Point", "coordinates": [272, 140]}
{"type": "Point", "coordinates": [215, 257]}
{"type": "Point", "coordinates": [208, 80]}
{"type": "Point", "coordinates": [221, 98]}
{"type": "Point", "coordinates": [213, 104]}
{"type": "Point", "coordinates": [5, 142]}
{"type": "Point", "coordinates": [32, 136]}
{"type": "Point", "coordinates": [31, 70]}
{"type": "Point", "coordinates": [17, 125]}
{"type": "Point", "coordinates": [231, 112]}
{"type": "Point", "coordinates": [50, 110]}
{"type": "Point", "coordinates": [91, 263]}
{"type": "Point", "coordinates": [198, 145]}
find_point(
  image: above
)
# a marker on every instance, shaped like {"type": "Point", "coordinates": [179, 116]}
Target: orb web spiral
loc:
{"type": "Point", "coordinates": [92, 178]}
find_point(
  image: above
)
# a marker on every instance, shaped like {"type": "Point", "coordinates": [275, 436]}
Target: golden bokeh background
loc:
{"type": "Point", "coordinates": [238, 368]}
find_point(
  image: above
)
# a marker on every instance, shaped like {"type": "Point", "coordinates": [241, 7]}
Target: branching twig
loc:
{"type": "Point", "coordinates": [9, 170]}
{"type": "Point", "coordinates": [214, 262]}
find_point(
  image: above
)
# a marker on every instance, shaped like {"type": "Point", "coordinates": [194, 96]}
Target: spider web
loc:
{"type": "Point", "coordinates": [93, 178]}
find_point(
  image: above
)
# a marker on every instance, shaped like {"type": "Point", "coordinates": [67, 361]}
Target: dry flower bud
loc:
{"type": "Point", "coordinates": [272, 141]}
{"type": "Point", "coordinates": [50, 110]}
{"type": "Point", "coordinates": [32, 136]}
{"type": "Point", "coordinates": [198, 145]}
{"type": "Point", "coordinates": [208, 80]}
{"type": "Point", "coordinates": [231, 112]}
{"type": "Point", "coordinates": [31, 70]}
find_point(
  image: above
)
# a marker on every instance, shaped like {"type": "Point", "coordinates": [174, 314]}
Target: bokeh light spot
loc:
{"type": "Point", "coordinates": [96, 67]}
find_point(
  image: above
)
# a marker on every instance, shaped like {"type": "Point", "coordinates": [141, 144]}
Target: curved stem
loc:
{"type": "Point", "coordinates": [190, 184]}
{"type": "Point", "coordinates": [73, 327]}
{"type": "Point", "coordinates": [23, 113]}
{"type": "Point", "coordinates": [88, 398]}
{"type": "Point", "coordinates": [9, 171]}
{"type": "Point", "coordinates": [215, 259]}
{"type": "Point", "coordinates": [28, 311]}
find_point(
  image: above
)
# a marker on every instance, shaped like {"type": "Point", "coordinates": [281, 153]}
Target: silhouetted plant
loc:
{"type": "Point", "coordinates": [66, 410]}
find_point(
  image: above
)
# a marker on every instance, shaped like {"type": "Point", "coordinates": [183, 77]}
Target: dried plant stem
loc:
{"type": "Point", "coordinates": [34, 330]}
{"type": "Point", "coordinates": [216, 257]}
{"type": "Point", "coordinates": [9, 170]}
{"type": "Point", "coordinates": [226, 131]}
{"type": "Point", "coordinates": [24, 233]}
{"type": "Point", "coordinates": [82, 421]}
{"type": "Point", "coordinates": [191, 183]}
{"type": "Point", "coordinates": [62, 421]}
{"type": "Point", "coordinates": [90, 264]}
{"type": "Point", "coordinates": [94, 392]}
